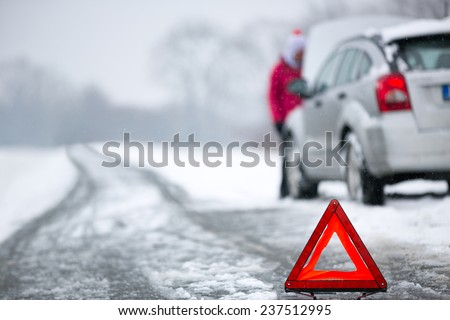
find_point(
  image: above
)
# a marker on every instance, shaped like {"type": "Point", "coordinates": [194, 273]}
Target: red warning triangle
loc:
{"type": "Point", "coordinates": [305, 278]}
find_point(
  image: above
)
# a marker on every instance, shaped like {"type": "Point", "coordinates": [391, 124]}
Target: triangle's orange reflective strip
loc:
{"type": "Point", "coordinates": [361, 273]}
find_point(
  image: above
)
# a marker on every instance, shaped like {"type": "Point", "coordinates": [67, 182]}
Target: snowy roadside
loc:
{"type": "Point", "coordinates": [224, 186]}
{"type": "Point", "coordinates": [31, 182]}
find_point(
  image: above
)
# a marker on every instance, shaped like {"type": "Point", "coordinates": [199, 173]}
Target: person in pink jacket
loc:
{"type": "Point", "coordinates": [281, 101]}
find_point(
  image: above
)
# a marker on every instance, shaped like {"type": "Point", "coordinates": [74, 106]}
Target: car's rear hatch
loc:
{"type": "Point", "coordinates": [425, 63]}
{"type": "Point", "coordinates": [430, 101]}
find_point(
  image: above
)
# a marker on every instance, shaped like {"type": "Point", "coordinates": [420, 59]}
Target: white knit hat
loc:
{"type": "Point", "coordinates": [296, 42]}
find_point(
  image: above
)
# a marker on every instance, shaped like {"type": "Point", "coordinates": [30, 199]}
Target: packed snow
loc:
{"type": "Point", "coordinates": [413, 223]}
{"type": "Point", "coordinates": [31, 181]}
{"type": "Point", "coordinates": [201, 233]}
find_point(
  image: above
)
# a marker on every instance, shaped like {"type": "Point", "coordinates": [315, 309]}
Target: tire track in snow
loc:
{"type": "Point", "coordinates": [42, 261]}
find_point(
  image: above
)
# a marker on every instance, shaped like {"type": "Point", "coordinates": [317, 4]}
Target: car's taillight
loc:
{"type": "Point", "coordinates": [392, 93]}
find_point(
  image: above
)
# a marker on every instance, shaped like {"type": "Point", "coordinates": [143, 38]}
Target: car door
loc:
{"type": "Point", "coordinates": [320, 117]}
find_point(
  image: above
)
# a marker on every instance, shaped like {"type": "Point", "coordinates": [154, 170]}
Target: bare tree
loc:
{"type": "Point", "coordinates": [182, 61]}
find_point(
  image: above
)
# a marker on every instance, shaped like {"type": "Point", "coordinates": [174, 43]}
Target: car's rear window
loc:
{"type": "Point", "coordinates": [424, 53]}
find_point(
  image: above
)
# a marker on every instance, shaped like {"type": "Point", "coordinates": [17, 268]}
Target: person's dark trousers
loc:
{"type": "Point", "coordinates": [285, 136]}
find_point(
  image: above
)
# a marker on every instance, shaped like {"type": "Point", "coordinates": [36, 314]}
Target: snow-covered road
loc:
{"type": "Point", "coordinates": [129, 233]}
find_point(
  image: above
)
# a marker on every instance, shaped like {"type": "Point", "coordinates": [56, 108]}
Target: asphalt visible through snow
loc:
{"type": "Point", "coordinates": [129, 234]}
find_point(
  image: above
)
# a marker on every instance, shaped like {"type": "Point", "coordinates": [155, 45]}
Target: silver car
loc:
{"type": "Point", "coordinates": [384, 98]}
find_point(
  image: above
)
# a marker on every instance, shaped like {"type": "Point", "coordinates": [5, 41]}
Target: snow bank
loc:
{"type": "Point", "coordinates": [31, 181]}
{"type": "Point", "coordinates": [227, 187]}
{"type": "Point", "coordinates": [224, 185]}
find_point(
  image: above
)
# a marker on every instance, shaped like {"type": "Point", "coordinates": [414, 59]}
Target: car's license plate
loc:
{"type": "Point", "coordinates": [446, 92]}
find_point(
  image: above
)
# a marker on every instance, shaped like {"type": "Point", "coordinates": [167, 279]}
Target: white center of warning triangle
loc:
{"type": "Point", "coordinates": [334, 257]}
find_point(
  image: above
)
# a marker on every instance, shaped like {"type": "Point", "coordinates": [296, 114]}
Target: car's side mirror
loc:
{"type": "Point", "coordinates": [300, 88]}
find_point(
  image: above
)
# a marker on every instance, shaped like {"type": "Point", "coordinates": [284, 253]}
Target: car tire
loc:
{"type": "Point", "coordinates": [308, 189]}
{"type": "Point", "coordinates": [361, 185]}
{"type": "Point", "coordinates": [299, 186]}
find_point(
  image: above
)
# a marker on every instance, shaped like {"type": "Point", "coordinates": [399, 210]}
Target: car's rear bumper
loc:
{"type": "Point", "coordinates": [395, 147]}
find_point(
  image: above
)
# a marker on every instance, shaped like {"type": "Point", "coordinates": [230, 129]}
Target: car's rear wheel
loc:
{"type": "Point", "coordinates": [299, 186]}
{"type": "Point", "coordinates": [308, 189]}
{"type": "Point", "coordinates": [361, 185]}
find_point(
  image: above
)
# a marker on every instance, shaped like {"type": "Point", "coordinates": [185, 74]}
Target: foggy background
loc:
{"type": "Point", "coordinates": [88, 71]}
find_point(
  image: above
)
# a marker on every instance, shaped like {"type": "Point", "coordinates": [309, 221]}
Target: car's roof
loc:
{"type": "Point", "coordinates": [324, 37]}
{"type": "Point", "coordinates": [414, 29]}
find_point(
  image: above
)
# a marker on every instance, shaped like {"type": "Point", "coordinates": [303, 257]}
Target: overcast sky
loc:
{"type": "Point", "coordinates": [107, 42]}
